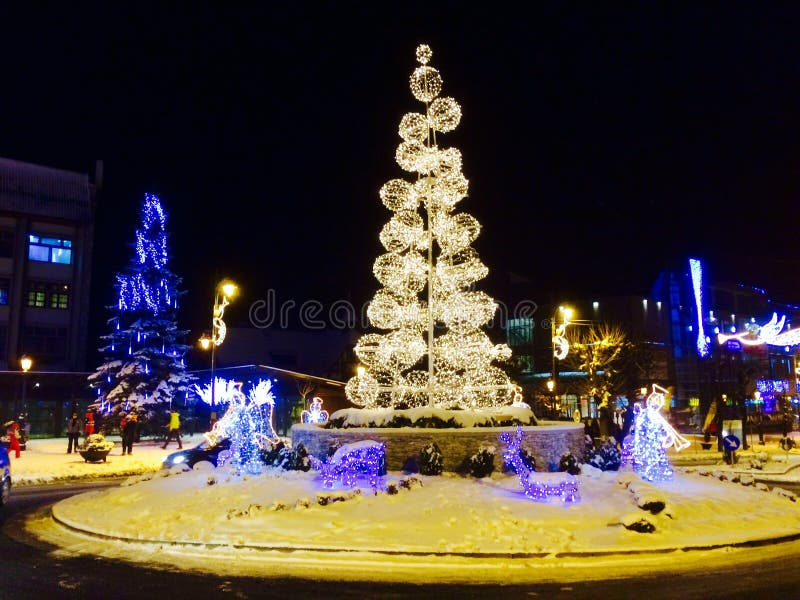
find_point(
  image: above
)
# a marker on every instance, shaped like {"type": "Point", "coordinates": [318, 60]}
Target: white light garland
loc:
{"type": "Point", "coordinates": [769, 333]}
{"type": "Point", "coordinates": [428, 252]}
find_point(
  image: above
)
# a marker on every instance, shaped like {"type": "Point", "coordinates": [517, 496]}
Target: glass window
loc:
{"type": "Point", "coordinates": [45, 343]}
{"type": "Point", "coordinates": [59, 296]}
{"type": "Point", "coordinates": [49, 249]}
{"type": "Point", "coordinates": [61, 256]}
{"type": "Point", "coordinates": [520, 332]}
{"type": "Point", "coordinates": [36, 299]}
{"type": "Point", "coordinates": [40, 253]}
{"type": "Point", "coordinates": [6, 243]}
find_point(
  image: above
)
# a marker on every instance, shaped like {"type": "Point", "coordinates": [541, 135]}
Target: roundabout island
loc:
{"type": "Point", "coordinates": [448, 528]}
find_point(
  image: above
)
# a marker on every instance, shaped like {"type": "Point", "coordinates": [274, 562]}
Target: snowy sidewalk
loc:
{"type": "Point", "coordinates": [768, 462]}
{"type": "Point", "coordinates": [47, 461]}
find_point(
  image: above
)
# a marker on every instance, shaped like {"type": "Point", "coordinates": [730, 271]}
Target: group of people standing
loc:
{"type": "Point", "coordinates": [128, 428]}
{"type": "Point", "coordinates": [128, 425]}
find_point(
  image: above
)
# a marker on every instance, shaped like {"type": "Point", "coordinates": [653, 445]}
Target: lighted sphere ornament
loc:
{"type": "Point", "coordinates": [428, 310]}
{"type": "Point", "coordinates": [424, 54]}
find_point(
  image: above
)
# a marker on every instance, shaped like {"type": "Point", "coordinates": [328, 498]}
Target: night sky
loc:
{"type": "Point", "coordinates": [601, 140]}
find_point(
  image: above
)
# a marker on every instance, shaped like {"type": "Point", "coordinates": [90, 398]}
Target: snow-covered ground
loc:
{"type": "Point", "coordinates": [447, 528]}
{"type": "Point", "coordinates": [47, 461]}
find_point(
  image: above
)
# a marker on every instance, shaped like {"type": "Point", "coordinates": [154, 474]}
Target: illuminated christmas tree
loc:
{"type": "Point", "coordinates": [427, 308]}
{"type": "Point", "coordinates": [144, 367]}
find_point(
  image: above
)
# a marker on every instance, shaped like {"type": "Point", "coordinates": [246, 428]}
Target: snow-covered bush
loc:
{"type": "Point", "coordinates": [431, 461]}
{"type": "Point", "coordinates": [569, 463]}
{"type": "Point", "coordinates": [606, 458]}
{"type": "Point", "coordinates": [293, 459]}
{"type": "Point", "coordinates": [96, 441]}
{"type": "Point", "coordinates": [481, 464]}
{"type": "Point", "coordinates": [278, 454]}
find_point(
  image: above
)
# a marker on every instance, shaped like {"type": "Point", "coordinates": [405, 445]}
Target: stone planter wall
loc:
{"type": "Point", "coordinates": [546, 441]}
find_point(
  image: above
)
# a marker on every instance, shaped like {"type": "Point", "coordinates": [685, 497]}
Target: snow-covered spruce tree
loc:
{"type": "Point", "coordinates": [427, 308]}
{"type": "Point", "coordinates": [144, 368]}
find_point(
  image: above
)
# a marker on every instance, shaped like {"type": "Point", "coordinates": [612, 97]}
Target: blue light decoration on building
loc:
{"type": "Point", "coordinates": [773, 386]}
{"type": "Point", "coordinates": [696, 268]}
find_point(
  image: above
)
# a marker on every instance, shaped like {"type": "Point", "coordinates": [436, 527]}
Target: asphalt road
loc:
{"type": "Point", "coordinates": [31, 569]}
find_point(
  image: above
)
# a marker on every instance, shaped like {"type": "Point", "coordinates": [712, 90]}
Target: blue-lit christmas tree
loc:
{"type": "Point", "coordinates": [144, 368]}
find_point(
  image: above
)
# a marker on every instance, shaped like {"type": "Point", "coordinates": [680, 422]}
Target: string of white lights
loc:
{"type": "Point", "coordinates": [428, 252]}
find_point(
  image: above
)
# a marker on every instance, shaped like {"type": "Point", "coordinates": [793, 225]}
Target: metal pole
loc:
{"type": "Point", "coordinates": [22, 408]}
{"type": "Point", "coordinates": [430, 312]}
{"type": "Point", "coordinates": [555, 366]}
{"type": "Point", "coordinates": [213, 357]}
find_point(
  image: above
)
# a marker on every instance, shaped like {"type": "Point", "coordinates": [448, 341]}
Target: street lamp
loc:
{"type": "Point", "coordinates": [560, 343]}
{"type": "Point", "coordinates": [224, 292]}
{"type": "Point", "coordinates": [25, 363]}
{"type": "Point", "coordinates": [550, 387]}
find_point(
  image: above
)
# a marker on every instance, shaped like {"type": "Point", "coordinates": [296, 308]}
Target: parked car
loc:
{"type": "Point", "coordinates": [199, 453]}
{"type": "Point", "coordinates": [5, 472]}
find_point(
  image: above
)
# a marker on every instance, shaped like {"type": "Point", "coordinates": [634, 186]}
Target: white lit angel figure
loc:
{"type": "Point", "coordinates": [652, 436]}
{"type": "Point", "coordinates": [314, 414]}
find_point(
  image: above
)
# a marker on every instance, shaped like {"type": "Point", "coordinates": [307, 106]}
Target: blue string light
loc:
{"type": "Point", "coordinates": [366, 458]}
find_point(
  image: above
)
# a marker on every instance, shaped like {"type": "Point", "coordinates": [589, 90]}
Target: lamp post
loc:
{"type": "Point", "coordinates": [224, 292]}
{"type": "Point", "coordinates": [550, 387]}
{"type": "Point", "coordinates": [25, 363]}
{"type": "Point", "coordinates": [560, 343]}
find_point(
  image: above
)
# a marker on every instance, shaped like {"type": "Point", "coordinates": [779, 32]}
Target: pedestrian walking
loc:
{"type": "Point", "coordinates": [174, 429]}
{"type": "Point", "coordinates": [74, 427]}
{"type": "Point", "coordinates": [129, 433]}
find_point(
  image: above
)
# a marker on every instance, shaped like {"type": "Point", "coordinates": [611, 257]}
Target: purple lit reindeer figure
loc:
{"type": "Point", "coordinates": [350, 461]}
{"type": "Point", "coordinates": [538, 486]}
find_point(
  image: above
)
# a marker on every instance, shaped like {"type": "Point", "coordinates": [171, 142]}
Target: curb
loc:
{"type": "Point", "coordinates": [287, 549]}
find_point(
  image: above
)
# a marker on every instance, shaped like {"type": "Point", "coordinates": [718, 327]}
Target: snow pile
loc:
{"type": "Point", "coordinates": [446, 514]}
{"type": "Point", "coordinates": [419, 416]}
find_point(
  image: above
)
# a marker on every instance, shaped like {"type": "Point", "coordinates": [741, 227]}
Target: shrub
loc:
{"type": "Point", "coordinates": [431, 461]}
{"type": "Point", "coordinates": [96, 441]}
{"type": "Point", "coordinates": [569, 463]}
{"type": "Point", "coordinates": [607, 457]}
{"type": "Point", "coordinates": [481, 464]}
{"type": "Point", "coordinates": [293, 459]}
{"type": "Point", "coordinates": [270, 453]}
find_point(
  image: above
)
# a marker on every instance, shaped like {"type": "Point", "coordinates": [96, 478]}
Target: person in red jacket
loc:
{"type": "Point", "coordinates": [89, 429]}
{"type": "Point", "coordinates": [12, 431]}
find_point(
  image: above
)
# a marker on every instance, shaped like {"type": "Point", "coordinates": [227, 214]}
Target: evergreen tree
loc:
{"type": "Point", "coordinates": [429, 254]}
{"type": "Point", "coordinates": [144, 368]}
